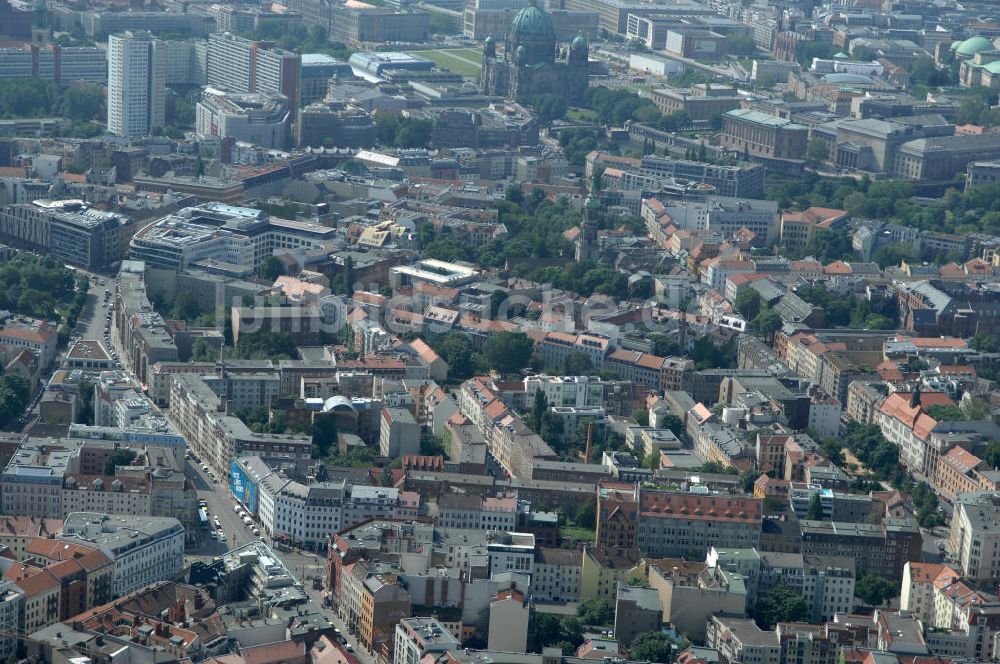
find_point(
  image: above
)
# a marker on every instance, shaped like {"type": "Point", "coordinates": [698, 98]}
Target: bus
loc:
{"type": "Point", "coordinates": [203, 517]}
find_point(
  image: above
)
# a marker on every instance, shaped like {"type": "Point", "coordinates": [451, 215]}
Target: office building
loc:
{"type": "Point", "coordinates": [136, 80]}
{"type": "Point", "coordinates": [334, 125]}
{"type": "Point", "coordinates": [259, 118]}
{"type": "Point", "coordinates": [317, 70]}
{"type": "Point", "coordinates": [69, 230]}
{"type": "Point", "coordinates": [224, 233]}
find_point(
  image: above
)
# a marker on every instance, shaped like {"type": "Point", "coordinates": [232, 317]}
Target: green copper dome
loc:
{"type": "Point", "coordinates": [532, 23]}
{"type": "Point", "coordinates": [579, 43]}
{"type": "Point", "coordinates": [973, 45]}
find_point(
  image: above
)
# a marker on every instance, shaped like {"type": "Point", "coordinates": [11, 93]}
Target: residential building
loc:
{"type": "Point", "coordinates": [240, 65]}
{"type": "Point", "coordinates": [136, 84]}
{"type": "Point", "coordinates": [974, 537]}
{"type": "Point", "coordinates": [19, 532]}
{"type": "Point", "coordinates": [399, 434]}
{"type": "Point", "coordinates": [39, 337]}
{"type": "Point", "coordinates": [882, 549]}
{"type": "Point", "coordinates": [740, 641]}
{"type": "Point", "coordinates": [603, 568]}
{"type": "Point", "coordinates": [637, 610]}
{"type": "Point", "coordinates": [416, 637]}
{"type": "Point", "coordinates": [510, 612]}
{"type": "Point", "coordinates": [690, 592]}
{"type": "Point", "coordinates": [144, 549]}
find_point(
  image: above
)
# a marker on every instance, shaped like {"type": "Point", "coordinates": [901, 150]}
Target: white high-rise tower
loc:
{"type": "Point", "coordinates": [136, 80]}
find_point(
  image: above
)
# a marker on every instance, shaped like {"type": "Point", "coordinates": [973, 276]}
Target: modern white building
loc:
{"type": "Point", "coordinates": [11, 610]}
{"type": "Point", "coordinates": [974, 540]}
{"type": "Point", "coordinates": [144, 549]}
{"type": "Point", "coordinates": [415, 637]}
{"type": "Point", "coordinates": [136, 84]}
{"type": "Point", "coordinates": [237, 64]}
{"type": "Point", "coordinates": [261, 119]}
{"type": "Point", "coordinates": [576, 391]}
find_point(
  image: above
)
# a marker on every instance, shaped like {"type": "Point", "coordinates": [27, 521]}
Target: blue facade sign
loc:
{"type": "Point", "coordinates": [243, 488]}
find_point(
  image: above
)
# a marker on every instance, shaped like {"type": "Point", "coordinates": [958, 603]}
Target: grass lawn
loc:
{"type": "Point", "coordinates": [464, 61]}
{"type": "Point", "coordinates": [577, 533]}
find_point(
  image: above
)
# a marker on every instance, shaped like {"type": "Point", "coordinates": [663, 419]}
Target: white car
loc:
{"type": "Point", "coordinates": [222, 537]}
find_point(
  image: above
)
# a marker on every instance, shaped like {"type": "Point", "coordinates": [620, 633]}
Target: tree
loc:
{"type": "Point", "coordinates": [766, 323]}
{"type": "Point", "coordinates": [85, 389]}
{"type": "Point", "coordinates": [664, 345]}
{"type": "Point", "coordinates": [815, 511]}
{"type": "Point", "coordinates": [992, 456]}
{"type": "Point", "coordinates": [82, 102]}
{"type": "Point", "coordinates": [120, 457]}
{"type": "Point", "coordinates": [185, 306]}
{"type": "Point", "coordinates": [984, 342]}
{"type": "Point", "coordinates": [741, 45]}
{"type": "Point", "coordinates": [650, 647]}
{"type": "Point", "coordinates": [202, 351]}
{"type": "Point", "coordinates": [551, 430]}
{"type": "Point", "coordinates": [586, 517]}
{"type": "Point", "coordinates": [674, 423]}
{"type": "Point", "coordinates": [748, 303]}
{"type": "Point", "coordinates": [875, 590]}
{"type": "Point", "coordinates": [946, 413]}
{"type": "Point", "coordinates": [324, 435]}
{"type": "Point", "coordinates": [271, 268]}
{"type": "Point", "coordinates": [455, 349]}
{"type": "Point", "coordinates": [975, 408]}
{"type": "Point", "coordinates": [780, 604]}
{"type": "Point", "coordinates": [538, 409]}
{"type": "Point", "coordinates": [577, 363]}
{"type": "Point", "coordinates": [893, 254]}
{"type": "Point", "coordinates": [550, 107]}
{"type": "Point", "coordinates": [266, 345]}
{"type": "Point", "coordinates": [596, 612]}
{"type": "Point", "coordinates": [641, 417]}
{"type": "Point", "coordinates": [865, 53]}
{"type": "Point", "coordinates": [817, 151]}
{"type": "Point", "coordinates": [507, 352]}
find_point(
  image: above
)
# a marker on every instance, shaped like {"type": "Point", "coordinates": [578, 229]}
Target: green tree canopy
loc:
{"type": "Point", "coordinates": [748, 303]}
{"type": "Point", "coordinates": [875, 590]}
{"type": "Point", "coordinates": [780, 604]}
{"type": "Point", "coordinates": [508, 352]}
{"type": "Point", "coordinates": [596, 612]}
{"type": "Point", "coordinates": [120, 457]}
{"type": "Point", "coordinates": [815, 511]}
{"type": "Point", "coordinates": [651, 647]}
{"type": "Point", "coordinates": [946, 413]}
